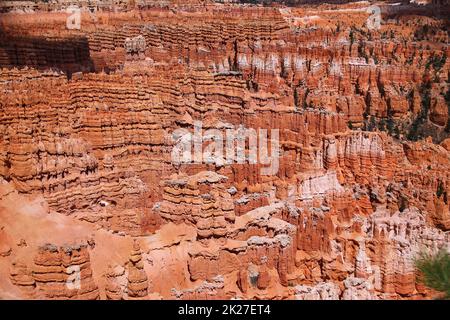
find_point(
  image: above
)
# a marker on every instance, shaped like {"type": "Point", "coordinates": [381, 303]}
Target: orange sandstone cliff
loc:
{"type": "Point", "coordinates": [92, 205]}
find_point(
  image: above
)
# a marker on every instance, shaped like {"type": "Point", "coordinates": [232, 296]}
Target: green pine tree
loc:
{"type": "Point", "coordinates": [435, 271]}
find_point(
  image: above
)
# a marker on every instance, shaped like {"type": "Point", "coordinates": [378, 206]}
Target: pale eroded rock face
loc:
{"type": "Point", "coordinates": [89, 189]}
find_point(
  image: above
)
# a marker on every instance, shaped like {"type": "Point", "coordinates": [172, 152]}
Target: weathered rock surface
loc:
{"type": "Point", "coordinates": [89, 189]}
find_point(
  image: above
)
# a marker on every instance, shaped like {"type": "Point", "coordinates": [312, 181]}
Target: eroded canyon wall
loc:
{"type": "Point", "coordinates": [88, 178]}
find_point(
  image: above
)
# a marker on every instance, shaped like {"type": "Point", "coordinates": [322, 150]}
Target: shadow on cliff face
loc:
{"type": "Point", "coordinates": [68, 55]}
